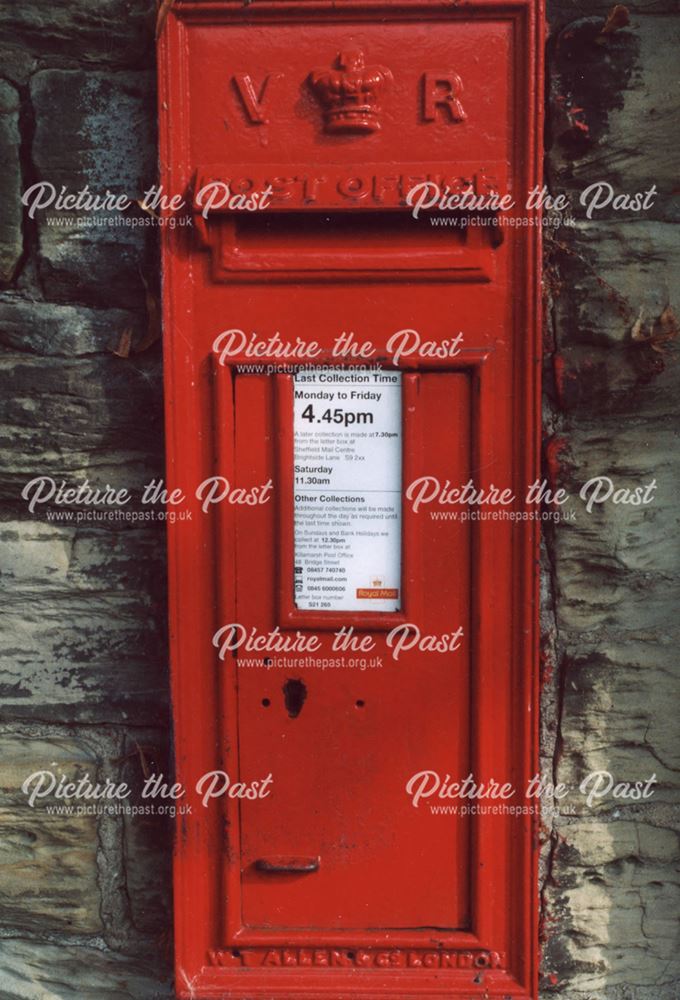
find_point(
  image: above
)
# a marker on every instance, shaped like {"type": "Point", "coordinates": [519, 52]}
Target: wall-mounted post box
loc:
{"type": "Point", "coordinates": [350, 637]}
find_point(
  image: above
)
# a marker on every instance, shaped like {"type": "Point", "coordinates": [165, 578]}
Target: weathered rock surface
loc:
{"type": "Point", "coordinates": [147, 840]}
{"type": "Point", "coordinates": [84, 898]}
{"type": "Point", "coordinates": [35, 970]}
{"type": "Point", "coordinates": [634, 941]}
{"type": "Point", "coordinates": [49, 330]}
{"type": "Point", "coordinates": [97, 130]}
{"type": "Point", "coordinates": [11, 237]}
{"type": "Point", "coordinates": [617, 567]}
{"type": "Point", "coordinates": [610, 889]}
{"type": "Point", "coordinates": [85, 635]}
{"type": "Point", "coordinates": [562, 11]}
{"type": "Point", "coordinates": [94, 418]}
{"type": "Point", "coordinates": [70, 863]}
{"type": "Point", "coordinates": [614, 109]}
{"type": "Point", "coordinates": [49, 862]}
{"type": "Point", "coordinates": [95, 32]}
{"type": "Point", "coordinates": [617, 313]}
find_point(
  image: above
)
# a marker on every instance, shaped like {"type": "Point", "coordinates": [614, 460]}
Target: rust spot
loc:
{"type": "Point", "coordinates": [594, 63]}
{"type": "Point", "coordinates": [618, 17]}
{"type": "Point", "coordinates": [651, 340]}
{"type": "Point", "coordinates": [122, 348]}
{"type": "Point", "coordinates": [554, 448]}
{"type": "Point", "coordinates": [153, 330]}
{"type": "Point", "coordinates": [547, 663]}
{"type": "Point", "coordinates": [560, 375]}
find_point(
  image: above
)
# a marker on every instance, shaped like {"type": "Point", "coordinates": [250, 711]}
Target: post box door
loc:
{"type": "Point", "coordinates": [343, 731]}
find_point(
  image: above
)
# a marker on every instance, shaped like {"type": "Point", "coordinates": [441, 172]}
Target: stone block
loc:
{"type": "Point", "coordinates": [613, 111]}
{"type": "Point", "coordinates": [98, 419]}
{"type": "Point", "coordinates": [109, 32]}
{"type": "Point", "coordinates": [84, 616]}
{"type": "Point", "coordinates": [11, 237]}
{"type": "Point", "coordinates": [50, 878]}
{"type": "Point", "coordinates": [37, 970]}
{"type": "Point", "coordinates": [615, 895]}
{"type": "Point", "coordinates": [97, 130]}
{"type": "Point", "coordinates": [617, 315]}
{"type": "Point", "coordinates": [148, 838]}
{"type": "Point", "coordinates": [50, 330]}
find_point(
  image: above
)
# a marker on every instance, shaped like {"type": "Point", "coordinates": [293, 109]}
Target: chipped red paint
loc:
{"type": "Point", "coordinates": [547, 667]}
{"type": "Point", "coordinates": [560, 374]}
{"type": "Point", "coordinates": [553, 449]}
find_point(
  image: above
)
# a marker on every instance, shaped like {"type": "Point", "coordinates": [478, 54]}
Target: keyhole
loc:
{"type": "Point", "coordinates": [294, 696]}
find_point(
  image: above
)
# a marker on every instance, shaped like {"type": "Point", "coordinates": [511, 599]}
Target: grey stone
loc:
{"type": "Point", "coordinates": [31, 969]}
{"type": "Point", "coordinates": [109, 663]}
{"type": "Point", "coordinates": [615, 885]}
{"type": "Point", "coordinates": [49, 330]}
{"type": "Point", "coordinates": [615, 713]}
{"type": "Point", "coordinates": [614, 112]}
{"type": "Point", "coordinates": [11, 238]}
{"type": "Point", "coordinates": [109, 32]}
{"type": "Point", "coordinates": [96, 130]}
{"type": "Point", "coordinates": [616, 568]}
{"type": "Point", "coordinates": [94, 418]}
{"type": "Point", "coordinates": [49, 861]}
{"type": "Point", "coordinates": [609, 872]}
{"type": "Point", "coordinates": [618, 319]}
{"type": "Point", "coordinates": [74, 862]}
{"type": "Point", "coordinates": [18, 64]}
{"type": "Point", "coordinates": [147, 840]}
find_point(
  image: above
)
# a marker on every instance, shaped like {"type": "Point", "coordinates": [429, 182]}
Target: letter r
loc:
{"type": "Point", "coordinates": [442, 90]}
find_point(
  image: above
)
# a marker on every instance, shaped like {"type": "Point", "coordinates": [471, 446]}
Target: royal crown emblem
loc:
{"type": "Point", "coordinates": [350, 92]}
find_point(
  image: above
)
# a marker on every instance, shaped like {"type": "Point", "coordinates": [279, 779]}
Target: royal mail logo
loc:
{"type": "Point", "coordinates": [377, 591]}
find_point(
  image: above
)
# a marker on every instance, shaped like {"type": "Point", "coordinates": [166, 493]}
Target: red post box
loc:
{"type": "Point", "coordinates": [352, 381]}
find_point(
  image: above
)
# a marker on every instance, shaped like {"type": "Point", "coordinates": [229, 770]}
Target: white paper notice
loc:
{"type": "Point", "coordinates": [347, 490]}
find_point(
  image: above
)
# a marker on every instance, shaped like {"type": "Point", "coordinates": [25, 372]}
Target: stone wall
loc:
{"type": "Point", "coordinates": [610, 886]}
{"type": "Point", "coordinates": [85, 901]}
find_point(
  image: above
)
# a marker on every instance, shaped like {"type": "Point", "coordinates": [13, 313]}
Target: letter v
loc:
{"type": "Point", "coordinates": [252, 103]}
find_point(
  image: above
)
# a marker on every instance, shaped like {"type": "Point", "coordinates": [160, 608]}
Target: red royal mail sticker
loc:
{"type": "Point", "coordinates": [377, 593]}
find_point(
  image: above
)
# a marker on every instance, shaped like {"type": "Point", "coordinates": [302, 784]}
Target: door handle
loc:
{"type": "Point", "coordinates": [287, 866]}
